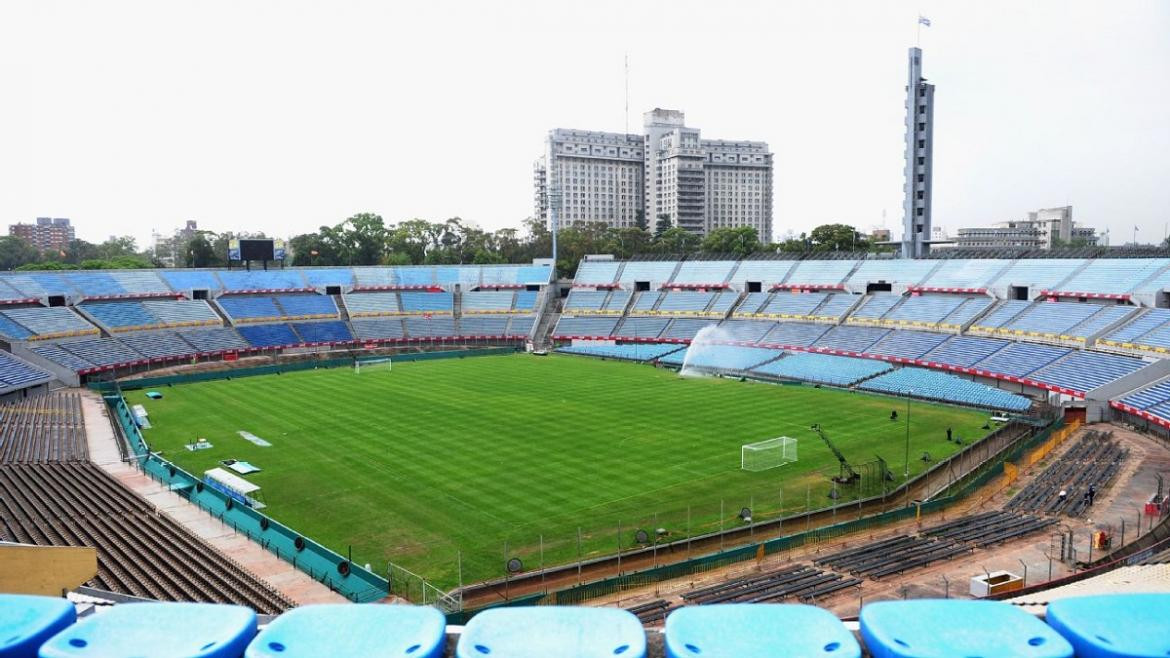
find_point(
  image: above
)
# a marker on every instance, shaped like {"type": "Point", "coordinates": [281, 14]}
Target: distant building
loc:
{"type": "Point", "coordinates": [667, 172]}
{"type": "Point", "coordinates": [48, 233]}
{"type": "Point", "coordinates": [879, 235]}
{"type": "Point", "coordinates": [918, 153]}
{"type": "Point", "coordinates": [169, 250]}
{"type": "Point", "coordinates": [1043, 229]}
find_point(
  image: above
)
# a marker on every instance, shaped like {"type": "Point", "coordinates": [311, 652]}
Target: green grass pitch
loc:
{"type": "Point", "coordinates": [436, 463]}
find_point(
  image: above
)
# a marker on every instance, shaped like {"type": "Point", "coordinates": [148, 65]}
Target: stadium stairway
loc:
{"type": "Point", "coordinates": [342, 311]}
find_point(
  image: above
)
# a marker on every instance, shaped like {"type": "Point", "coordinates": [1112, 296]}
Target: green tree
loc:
{"type": "Point", "coordinates": [740, 241]}
{"type": "Point", "coordinates": [676, 241]}
{"type": "Point", "coordinates": [640, 219]}
{"type": "Point", "coordinates": [365, 238]}
{"type": "Point", "coordinates": [15, 252]}
{"type": "Point", "coordinates": [200, 252]}
{"type": "Point", "coordinates": [664, 224]}
{"type": "Point", "coordinates": [838, 237]}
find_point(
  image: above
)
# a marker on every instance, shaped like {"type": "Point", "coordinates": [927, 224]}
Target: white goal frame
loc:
{"type": "Point", "coordinates": [764, 455]}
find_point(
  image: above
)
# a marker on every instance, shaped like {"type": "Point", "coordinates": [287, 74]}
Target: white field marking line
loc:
{"type": "Point", "coordinates": [252, 438]}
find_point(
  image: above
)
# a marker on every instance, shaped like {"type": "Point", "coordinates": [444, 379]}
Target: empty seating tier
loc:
{"type": "Point", "coordinates": [1085, 371]}
{"type": "Point", "coordinates": [364, 304]}
{"type": "Point", "coordinates": [823, 368]}
{"type": "Point", "coordinates": [46, 323]}
{"type": "Point", "coordinates": [140, 552]}
{"type": "Point", "coordinates": [626, 352]}
{"type": "Point", "coordinates": [427, 302]}
{"type": "Point", "coordinates": [322, 332]}
{"type": "Point", "coordinates": [123, 316]}
{"type": "Point", "coordinates": [795, 334]}
{"type": "Point", "coordinates": [727, 357]}
{"type": "Point", "coordinates": [703, 272]}
{"type": "Point", "coordinates": [16, 373]}
{"type": "Point", "coordinates": [269, 335]}
{"type": "Point", "coordinates": [934, 385]}
{"type": "Point", "coordinates": [43, 429]}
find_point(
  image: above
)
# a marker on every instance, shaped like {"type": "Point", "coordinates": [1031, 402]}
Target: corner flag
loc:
{"type": "Point", "coordinates": [922, 20]}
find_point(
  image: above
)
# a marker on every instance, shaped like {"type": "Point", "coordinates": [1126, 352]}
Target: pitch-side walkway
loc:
{"type": "Point", "coordinates": [276, 572]}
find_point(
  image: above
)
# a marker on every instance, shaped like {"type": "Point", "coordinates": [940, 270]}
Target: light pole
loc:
{"type": "Point", "coordinates": [906, 473]}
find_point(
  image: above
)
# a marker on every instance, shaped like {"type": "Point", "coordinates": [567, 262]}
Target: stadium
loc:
{"type": "Point", "coordinates": [658, 435]}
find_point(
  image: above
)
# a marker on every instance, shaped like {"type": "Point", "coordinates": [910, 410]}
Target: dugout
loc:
{"type": "Point", "coordinates": [234, 487]}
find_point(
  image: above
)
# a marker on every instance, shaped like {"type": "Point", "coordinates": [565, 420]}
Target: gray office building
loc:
{"type": "Point", "coordinates": [916, 229]}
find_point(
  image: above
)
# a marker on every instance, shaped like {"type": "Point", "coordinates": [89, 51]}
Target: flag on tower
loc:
{"type": "Point", "coordinates": [922, 20]}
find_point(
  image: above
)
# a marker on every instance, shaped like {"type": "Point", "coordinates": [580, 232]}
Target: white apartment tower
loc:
{"type": "Point", "coordinates": [666, 172]}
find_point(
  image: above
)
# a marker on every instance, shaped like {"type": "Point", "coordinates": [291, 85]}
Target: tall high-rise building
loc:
{"type": "Point", "coordinates": [916, 230]}
{"type": "Point", "coordinates": [47, 233]}
{"type": "Point", "coordinates": [667, 172]}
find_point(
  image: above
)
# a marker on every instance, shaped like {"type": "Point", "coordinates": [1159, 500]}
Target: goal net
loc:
{"type": "Point", "coordinates": [763, 455]}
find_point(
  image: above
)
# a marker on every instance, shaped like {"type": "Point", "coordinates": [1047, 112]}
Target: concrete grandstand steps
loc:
{"type": "Point", "coordinates": [223, 316]}
{"type": "Point", "coordinates": [341, 309]}
{"type": "Point", "coordinates": [1059, 285]}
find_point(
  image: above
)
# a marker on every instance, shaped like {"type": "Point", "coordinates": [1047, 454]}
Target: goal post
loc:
{"type": "Point", "coordinates": [763, 455]}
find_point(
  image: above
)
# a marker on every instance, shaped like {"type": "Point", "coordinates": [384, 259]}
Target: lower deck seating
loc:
{"type": "Point", "coordinates": [1085, 371]}
{"type": "Point", "coordinates": [585, 326]}
{"type": "Point", "coordinates": [907, 344]}
{"type": "Point", "coordinates": [268, 335]}
{"type": "Point", "coordinates": [322, 332]}
{"type": "Point", "coordinates": [378, 328]}
{"type": "Point", "coordinates": [634, 327]}
{"type": "Point", "coordinates": [795, 333]}
{"type": "Point", "coordinates": [521, 326]}
{"type": "Point", "coordinates": [1020, 359]}
{"type": "Point", "coordinates": [214, 340]}
{"type": "Point", "coordinates": [483, 325]}
{"type": "Point", "coordinates": [935, 385]}
{"type": "Point", "coordinates": [157, 344]}
{"type": "Point", "coordinates": [627, 352]}
{"type": "Point", "coordinates": [823, 368]}
{"type": "Point", "coordinates": [728, 357]}
{"type": "Point", "coordinates": [433, 327]}
{"type": "Point", "coordinates": [102, 351]}
{"type": "Point", "coordinates": [16, 373]}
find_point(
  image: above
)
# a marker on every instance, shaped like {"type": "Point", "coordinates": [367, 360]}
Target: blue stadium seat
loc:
{"type": "Point", "coordinates": [195, 630]}
{"type": "Point", "coordinates": [953, 627]}
{"type": "Point", "coordinates": [757, 630]}
{"type": "Point", "coordinates": [542, 632]}
{"type": "Point", "coordinates": [353, 630]}
{"type": "Point", "coordinates": [27, 622]}
{"type": "Point", "coordinates": [1114, 626]}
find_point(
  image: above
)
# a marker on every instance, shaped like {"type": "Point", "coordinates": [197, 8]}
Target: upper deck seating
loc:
{"type": "Point", "coordinates": [644, 302]}
{"type": "Point", "coordinates": [133, 315]}
{"type": "Point", "coordinates": [752, 303]}
{"type": "Point", "coordinates": [684, 328]}
{"type": "Point", "coordinates": [819, 272]}
{"type": "Point", "coordinates": [966, 312]}
{"type": "Point", "coordinates": [94, 284]}
{"type": "Point", "coordinates": [488, 301]}
{"type": "Point", "coordinates": [703, 271]}
{"type": "Point", "coordinates": [341, 277]}
{"type": "Point", "coordinates": [656, 272]}
{"type": "Point", "coordinates": [1003, 313]}
{"type": "Point", "coordinates": [793, 304]}
{"type": "Point", "coordinates": [592, 272]}
{"type": "Point", "coordinates": [634, 327]}
{"type": "Point", "coordinates": [851, 339]}
{"type": "Point", "coordinates": [1136, 329]}
{"type": "Point", "coordinates": [306, 306]}
{"type": "Point", "coordinates": [965, 274]}
{"type": "Point", "coordinates": [835, 306]}
{"type": "Point", "coordinates": [892, 271]}
{"type": "Point", "coordinates": [585, 300]}
{"type": "Point", "coordinates": [52, 322]}
{"type": "Point", "coordinates": [686, 302]}
{"type": "Point", "coordinates": [525, 301]}
{"type": "Point", "coordinates": [823, 368]}
{"type": "Point", "coordinates": [570, 326]}
{"type": "Point", "coordinates": [965, 351]}
{"type": "Point", "coordinates": [1053, 318]}
{"type": "Point", "coordinates": [427, 302]}
{"type": "Point", "coordinates": [262, 280]}
{"type": "Point", "coordinates": [1099, 321]}
{"type": "Point", "coordinates": [1038, 274]}
{"type": "Point", "coordinates": [250, 309]}
{"type": "Point", "coordinates": [1085, 371]}
{"type": "Point", "coordinates": [907, 344]}
{"type": "Point", "coordinates": [1020, 359]}
{"type": "Point", "coordinates": [1113, 275]}
{"type": "Point", "coordinates": [767, 273]}
{"type": "Point", "coordinates": [184, 281]}
{"type": "Point", "coordinates": [924, 310]}
{"type": "Point", "coordinates": [797, 334]}
{"type": "Point", "coordinates": [875, 306]}
{"type": "Point", "coordinates": [749, 331]}
{"type": "Point", "coordinates": [372, 303]}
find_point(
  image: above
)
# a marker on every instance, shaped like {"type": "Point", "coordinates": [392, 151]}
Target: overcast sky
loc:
{"type": "Point", "coordinates": [281, 116]}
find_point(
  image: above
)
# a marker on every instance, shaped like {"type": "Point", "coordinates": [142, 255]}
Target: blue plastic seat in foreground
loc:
{"type": "Point", "coordinates": [545, 631]}
{"type": "Point", "coordinates": [760, 630]}
{"type": "Point", "coordinates": [951, 627]}
{"type": "Point", "coordinates": [320, 630]}
{"type": "Point", "coordinates": [160, 630]}
{"type": "Point", "coordinates": [1114, 625]}
{"type": "Point", "coordinates": [27, 622]}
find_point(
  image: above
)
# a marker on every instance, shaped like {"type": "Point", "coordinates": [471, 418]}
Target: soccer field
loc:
{"type": "Point", "coordinates": [426, 461]}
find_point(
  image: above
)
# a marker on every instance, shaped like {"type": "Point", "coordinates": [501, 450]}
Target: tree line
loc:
{"type": "Point", "coordinates": [367, 239]}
